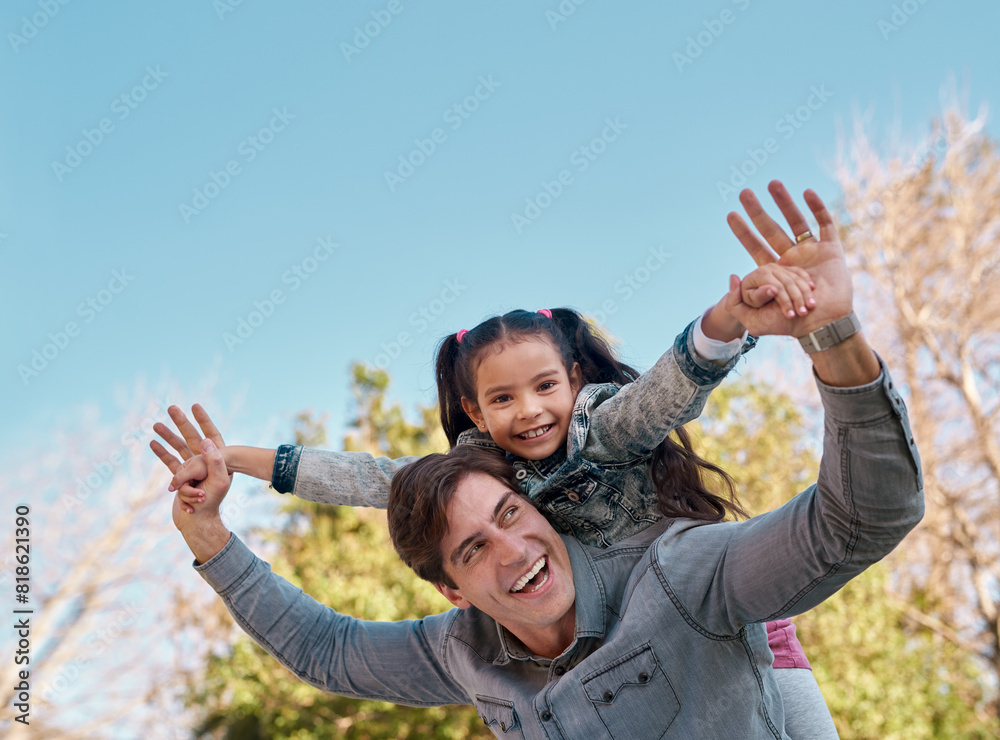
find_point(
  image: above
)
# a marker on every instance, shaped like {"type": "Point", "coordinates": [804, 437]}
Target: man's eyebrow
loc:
{"type": "Point", "coordinates": [456, 554]}
{"type": "Point", "coordinates": [544, 374]}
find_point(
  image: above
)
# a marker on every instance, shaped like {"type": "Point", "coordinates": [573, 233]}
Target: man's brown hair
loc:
{"type": "Point", "coordinates": [418, 503]}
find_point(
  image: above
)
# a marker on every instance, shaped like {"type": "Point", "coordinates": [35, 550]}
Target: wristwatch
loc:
{"type": "Point", "coordinates": [831, 335]}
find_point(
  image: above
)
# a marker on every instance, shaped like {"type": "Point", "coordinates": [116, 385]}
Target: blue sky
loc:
{"type": "Point", "coordinates": [262, 193]}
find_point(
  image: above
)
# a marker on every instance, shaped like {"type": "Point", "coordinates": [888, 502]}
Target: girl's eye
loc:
{"type": "Point", "coordinates": [546, 385]}
{"type": "Point", "coordinates": [501, 399]}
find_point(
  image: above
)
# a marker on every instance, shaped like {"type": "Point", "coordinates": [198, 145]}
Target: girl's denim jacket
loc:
{"type": "Point", "coordinates": [597, 489]}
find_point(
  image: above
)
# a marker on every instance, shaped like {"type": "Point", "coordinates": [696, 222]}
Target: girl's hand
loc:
{"type": "Point", "coordinates": [790, 287]}
{"type": "Point", "coordinates": [189, 474]}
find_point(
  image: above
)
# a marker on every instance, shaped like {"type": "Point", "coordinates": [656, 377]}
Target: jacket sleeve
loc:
{"type": "Point", "coordinates": [668, 395]}
{"type": "Point", "coordinates": [388, 661]}
{"type": "Point", "coordinates": [338, 478]}
{"type": "Point", "coordinates": [868, 496]}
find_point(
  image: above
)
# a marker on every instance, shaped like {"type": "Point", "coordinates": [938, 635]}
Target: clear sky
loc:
{"type": "Point", "coordinates": [264, 192]}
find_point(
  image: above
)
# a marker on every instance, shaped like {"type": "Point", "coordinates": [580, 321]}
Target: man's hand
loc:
{"type": "Point", "coordinates": [823, 259]}
{"type": "Point", "coordinates": [189, 474]}
{"type": "Point", "coordinates": [204, 532]}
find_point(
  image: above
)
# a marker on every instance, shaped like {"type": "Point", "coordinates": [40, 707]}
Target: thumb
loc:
{"type": "Point", "coordinates": [735, 296]}
{"type": "Point", "coordinates": [216, 465]}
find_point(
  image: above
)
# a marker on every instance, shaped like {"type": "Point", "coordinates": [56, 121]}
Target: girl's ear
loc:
{"type": "Point", "coordinates": [453, 596]}
{"type": "Point", "coordinates": [471, 409]}
{"type": "Point", "coordinates": [576, 378]}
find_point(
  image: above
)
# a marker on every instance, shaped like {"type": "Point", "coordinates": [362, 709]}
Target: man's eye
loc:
{"type": "Point", "coordinates": [471, 552]}
{"type": "Point", "coordinates": [509, 514]}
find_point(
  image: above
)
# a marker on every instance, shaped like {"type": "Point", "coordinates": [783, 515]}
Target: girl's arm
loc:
{"type": "Point", "coordinates": [671, 393]}
{"type": "Point", "coordinates": [337, 478]}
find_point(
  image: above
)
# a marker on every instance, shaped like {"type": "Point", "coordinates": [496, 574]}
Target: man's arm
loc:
{"type": "Point", "coordinates": [331, 651]}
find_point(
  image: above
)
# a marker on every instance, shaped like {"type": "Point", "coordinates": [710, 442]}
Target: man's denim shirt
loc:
{"type": "Point", "coordinates": [669, 641]}
{"type": "Point", "coordinates": [597, 488]}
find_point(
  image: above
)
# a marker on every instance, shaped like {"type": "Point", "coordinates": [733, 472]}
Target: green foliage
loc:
{"type": "Point", "coordinates": [342, 557]}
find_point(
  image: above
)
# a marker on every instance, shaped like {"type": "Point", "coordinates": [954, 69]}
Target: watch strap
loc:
{"type": "Point", "coordinates": [831, 335]}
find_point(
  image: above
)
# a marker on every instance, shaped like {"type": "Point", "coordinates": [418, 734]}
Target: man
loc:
{"type": "Point", "coordinates": [657, 636]}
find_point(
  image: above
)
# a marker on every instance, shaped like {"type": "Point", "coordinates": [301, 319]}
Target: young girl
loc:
{"type": "Point", "coordinates": [587, 435]}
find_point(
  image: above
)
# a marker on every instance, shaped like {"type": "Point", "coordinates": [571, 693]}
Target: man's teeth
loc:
{"type": "Point", "coordinates": [535, 432]}
{"type": "Point", "coordinates": [523, 580]}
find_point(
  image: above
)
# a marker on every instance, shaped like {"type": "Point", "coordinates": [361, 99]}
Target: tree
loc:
{"type": "Point", "coordinates": [342, 557]}
{"type": "Point", "coordinates": [924, 230]}
{"type": "Point", "coordinates": [100, 544]}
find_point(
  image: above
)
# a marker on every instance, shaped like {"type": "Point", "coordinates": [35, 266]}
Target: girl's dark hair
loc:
{"type": "Point", "coordinates": [677, 471]}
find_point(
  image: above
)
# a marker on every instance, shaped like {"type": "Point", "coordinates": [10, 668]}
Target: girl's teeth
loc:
{"type": "Point", "coordinates": [535, 433]}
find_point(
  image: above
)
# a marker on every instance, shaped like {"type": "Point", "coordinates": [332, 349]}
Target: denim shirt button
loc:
{"type": "Point", "coordinates": [643, 677]}
{"type": "Point", "coordinates": [521, 474]}
{"type": "Point", "coordinates": [559, 670]}
{"type": "Point", "coordinates": [545, 716]}
{"type": "Point", "coordinates": [608, 696]}
{"type": "Point", "coordinates": [573, 496]}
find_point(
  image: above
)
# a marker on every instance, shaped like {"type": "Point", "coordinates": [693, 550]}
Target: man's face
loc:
{"type": "Point", "coordinates": [508, 561]}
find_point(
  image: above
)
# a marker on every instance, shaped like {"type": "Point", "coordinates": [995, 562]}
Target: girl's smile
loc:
{"type": "Point", "coordinates": [525, 398]}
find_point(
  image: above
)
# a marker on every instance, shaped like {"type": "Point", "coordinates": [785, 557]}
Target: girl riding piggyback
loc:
{"type": "Point", "coordinates": [588, 436]}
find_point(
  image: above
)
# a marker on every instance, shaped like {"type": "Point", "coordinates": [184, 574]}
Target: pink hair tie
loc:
{"type": "Point", "coordinates": [461, 333]}
{"type": "Point", "coordinates": [545, 312]}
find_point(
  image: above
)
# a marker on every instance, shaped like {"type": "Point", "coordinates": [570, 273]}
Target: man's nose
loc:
{"type": "Point", "coordinates": [509, 549]}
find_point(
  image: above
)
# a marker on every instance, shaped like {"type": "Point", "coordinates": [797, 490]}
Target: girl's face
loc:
{"type": "Point", "coordinates": [524, 398]}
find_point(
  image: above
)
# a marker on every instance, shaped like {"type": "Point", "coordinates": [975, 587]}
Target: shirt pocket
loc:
{"type": "Point", "coordinates": [633, 696]}
{"type": "Point", "coordinates": [499, 717]}
{"type": "Point", "coordinates": [582, 500]}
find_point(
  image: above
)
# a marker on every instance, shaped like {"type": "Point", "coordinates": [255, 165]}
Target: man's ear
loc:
{"type": "Point", "coordinates": [453, 596]}
{"type": "Point", "coordinates": [471, 409]}
{"type": "Point", "coordinates": [576, 378]}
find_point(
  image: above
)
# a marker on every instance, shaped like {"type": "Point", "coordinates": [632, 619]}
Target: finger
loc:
{"type": "Point", "coordinates": [755, 247]}
{"type": "Point", "coordinates": [173, 440]}
{"type": "Point", "coordinates": [216, 465]}
{"type": "Point", "coordinates": [762, 295]}
{"type": "Point", "coordinates": [769, 228]}
{"type": "Point", "coordinates": [827, 226]}
{"type": "Point", "coordinates": [806, 286]}
{"type": "Point", "coordinates": [208, 427]}
{"type": "Point", "coordinates": [185, 427]}
{"type": "Point", "coordinates": [185, 474]}
{"type": "Point", "coordinates": [786, 204]}
{"type": "Point", "coordinates": [166, 458]}
{"type": "Point", "coordinates": [191, 495]}
{"type": "Point", "coordinates": [790, 297]}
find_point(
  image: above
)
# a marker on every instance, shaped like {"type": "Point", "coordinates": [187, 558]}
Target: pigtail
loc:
{"type": "Point", "coordinates": [678, 472]}
{"type": "Point", "coordinates": [596, 358]}
{"type": "Point", "coordinates": [453, 417]}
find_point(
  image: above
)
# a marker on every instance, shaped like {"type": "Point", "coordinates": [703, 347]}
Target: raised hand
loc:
{"type": "Point", "coordinates": [823, 259]}
{"type": "Point", "coordinates": [189, 474]}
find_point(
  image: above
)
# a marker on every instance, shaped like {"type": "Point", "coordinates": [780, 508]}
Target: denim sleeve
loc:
{"type": "Point", "coordinates": [868, 496]}
{"type": "Point", "coordinates": [668, 395]}
{"type": "Point", "coordinates": [338, 478]}
{"type": "Point", "coordinates": [387, 661]}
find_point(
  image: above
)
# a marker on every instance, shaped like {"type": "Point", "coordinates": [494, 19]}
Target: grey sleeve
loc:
{"type": "Point", "coordinates": [338, 478]}
{"type": "Point", "coordinates": [868, 496]}
{"type": "Point", "coordinates": [668, 395]}
{"type": "Point", "coordinates": [388, 661]}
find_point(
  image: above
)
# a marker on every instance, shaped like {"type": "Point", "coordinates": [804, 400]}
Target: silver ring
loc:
{"type": "Point", "coordinates": [803, 236]}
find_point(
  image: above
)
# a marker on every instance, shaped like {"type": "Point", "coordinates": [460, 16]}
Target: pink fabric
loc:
{"type": "Point", "coordinates": [545, 312]}
{"type": "Point", "coordinates": [785, 645]}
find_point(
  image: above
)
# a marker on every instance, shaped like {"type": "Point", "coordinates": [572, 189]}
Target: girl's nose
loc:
{"type": "Point", "coordinates": [529, 408]}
